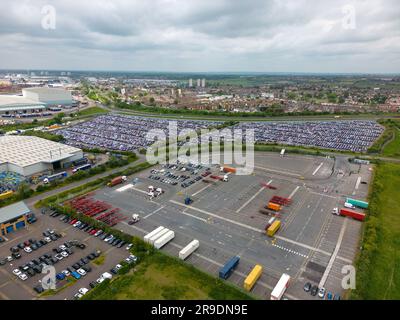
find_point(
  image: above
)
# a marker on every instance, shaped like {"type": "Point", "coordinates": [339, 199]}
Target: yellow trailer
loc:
{"type": "Point", "coordinates": [6, 195]}
{"type": "Point", "coordinates": [273, 228]}
{"type": "Point", "coordinates": [252, 278]}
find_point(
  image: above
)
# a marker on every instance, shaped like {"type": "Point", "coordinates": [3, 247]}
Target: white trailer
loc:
{"type": "Point", "coordinates": [160, 242]}
{"type": "Point", "coordinates": [158, 235]}
{"type": "Point", "coordinates": [189, 249]}
{"type": "Point", "coordinates": [152, 233]}
{"type": "Point", "coordinates": [280, 287]}
{"type": "Point", "coordinates": [283, 152]}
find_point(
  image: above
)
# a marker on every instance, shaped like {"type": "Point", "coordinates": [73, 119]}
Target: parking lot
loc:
{"type": "Point", "coordinates": [311, 246]}
{"type": "Point", "coordinates": [13, 287]}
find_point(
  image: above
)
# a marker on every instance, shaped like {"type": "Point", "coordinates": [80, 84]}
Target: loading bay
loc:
{"type": "Point", "coordinates": [313, 245]}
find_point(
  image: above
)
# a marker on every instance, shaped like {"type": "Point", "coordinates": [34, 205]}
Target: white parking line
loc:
{"type": "Point", "coordinates": [252, 198]}
{"type": "Point", "coordinates": [155, 211]}
{"type": "Point", "coordinates": [201, 190]}
{"type": "Point", "coordinates": [280, 172]}
{"type": "Point", "coordinates": [319, 167]}
{"type": "Point", "coordinates": [294, 192]}
{"type": "Point", "coordinates": [333, 257]}
{"type": "Point", "coordinates": [128, 186]}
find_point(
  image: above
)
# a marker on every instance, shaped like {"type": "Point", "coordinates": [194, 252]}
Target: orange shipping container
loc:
{"type": "Point", "coordinates": [274, 206]}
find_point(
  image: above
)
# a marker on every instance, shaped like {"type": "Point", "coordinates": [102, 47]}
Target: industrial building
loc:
{"type": "Point", "coordinates": [35, 100]}
{"type": "Point", "coordinates": [28, 155]}
{"type": "Point", "coordinates": [13, 217]}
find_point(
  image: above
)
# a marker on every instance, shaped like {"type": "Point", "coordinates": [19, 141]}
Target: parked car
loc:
{"type": "Point", "coordinates": [307, 287]}
{"type": "Point", "coordinates": [314, 290]}
{"type": "Point", "coordinates": [321, 293]}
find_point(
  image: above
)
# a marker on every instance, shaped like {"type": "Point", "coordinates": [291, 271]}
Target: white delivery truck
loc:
{"type": "Point", "coordinates": [189, 249]}
{"type": "Point", "coordinates": [160, 242]}
{"type": "Point", "coordinates": [149, 235]}
{"type": "Point", "coordinates": [280, 287]}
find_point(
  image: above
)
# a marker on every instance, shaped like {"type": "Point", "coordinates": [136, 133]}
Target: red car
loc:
{"type": "Point", "coordinates": [73, 221]}
{"type": "Point", "coordinates": [93, 232]}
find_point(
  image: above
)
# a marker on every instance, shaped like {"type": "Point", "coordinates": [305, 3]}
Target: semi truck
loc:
{"type": "Point", "coordinates": [160, 242]}
{"type": "Point", "coordinates": [228, 268]}
{"type": "Point", "coordinates": [280, 287]}
{"type": "Point", "coordinates": [116, 181]}
{"type": "Point", "coordinates": [357, 203]}
{"type": "Point", "coordinates": [252, 278]}
{"type": "Point", "coordinates": [352, 214]}
{"type": "Point", "coordinates": [152, 233]}
{"type": "Point", "coordinates": [82, 168]}
{"type": "Point", "coordinates": [189, 249]}
{"type": "Point", "coordinates": [274, 206]}
{"type": "Point", "coordinates": [273, 228]}
{"type": "Point", "coordinates": [224, 178]}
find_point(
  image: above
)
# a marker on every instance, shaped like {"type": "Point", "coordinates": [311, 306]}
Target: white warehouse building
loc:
{"type": "Point", "coordinates": [35, 100]}
{"type": "Point", "coordinates": [28, 155]}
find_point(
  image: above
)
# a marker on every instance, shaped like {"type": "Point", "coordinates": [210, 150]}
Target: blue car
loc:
{"type": "Point", "coordinates": [76, 275]}
{"type": "Point", "coordinates": [329, 296]}
{"type": "Point", "coordinates": [60, 276]}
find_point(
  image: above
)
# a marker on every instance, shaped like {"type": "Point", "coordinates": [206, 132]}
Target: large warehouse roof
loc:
{"type": "Point", "coordinates": [12, 100]}
{"type": "Point", "coordinates": [45, 90]}
{"type": "Point", "coordinates": [13, 211]}
{"type": "Point", "coordinates": [24, 151]}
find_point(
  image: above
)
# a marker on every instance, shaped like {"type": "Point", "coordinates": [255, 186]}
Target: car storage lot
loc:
{"type": "Point", "coordinates": [224, 217]}
{"type": "Point", "coordinates": [11, 287]}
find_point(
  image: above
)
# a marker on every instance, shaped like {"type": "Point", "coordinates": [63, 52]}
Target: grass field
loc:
{"type": "Point", "coordinates": [392, 149]}
{"type": "Point", "coordinates": [92, 111]}
{"type": "Point", "coordinates": [378, 266]}
{"type": "Point", "coordinates": [161, 277]}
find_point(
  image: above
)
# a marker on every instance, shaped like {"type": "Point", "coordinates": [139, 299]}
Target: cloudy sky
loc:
{"type": "Point", "coordinates": [202, 35]}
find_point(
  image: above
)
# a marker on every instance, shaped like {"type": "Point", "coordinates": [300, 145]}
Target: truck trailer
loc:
{"type": "Point", "coordinates": [352, 214]}
{"type": "Point", "coordinates": [158, 235]}
{"type": "Point", "coordinates": [228, 170]}
{"type": "Point", "coordinates": [357, 203]}
{"type": "Point", "coordinates": [160, 242]}
{"type": "Point", "coordinates": [152, 233]}
{"type": "Point", "coordinates": [228, 268]}
{"type": "Point", "coordinates": [280, 287]}
{"type": "Point", "coordinates": [274, 206]}
{"type": "Point", "coordinates": [252, 278]}
{"type": "Point", "coordinates": [189, 249]}
{"type": "Point", "coordinates": [273, 228]}
{"type": "Point", "coordinates": [116, 181]}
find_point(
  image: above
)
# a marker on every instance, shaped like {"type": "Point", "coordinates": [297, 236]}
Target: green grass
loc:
{"type": "Point", "coordinates": [163, 277]}
{"type": "Point", "coordinates": [92, 111]}
{"type": "Point", "coordinates": [392, 149]}
{"type": "Point", "coordinates": [100, 260]}
{"type": "Point", "coordinates": [378, 265]}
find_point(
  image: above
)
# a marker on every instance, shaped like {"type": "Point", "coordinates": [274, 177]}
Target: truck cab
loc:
{"type": "Point", "coordinates": [335, 211]}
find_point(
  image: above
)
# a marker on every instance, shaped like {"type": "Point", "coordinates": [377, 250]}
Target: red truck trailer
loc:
{"type": "Point", "coordinates": [352, 214]}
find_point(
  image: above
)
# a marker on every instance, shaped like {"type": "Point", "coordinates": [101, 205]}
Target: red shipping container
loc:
{"type": "Point", "coordinates": [352, 214]}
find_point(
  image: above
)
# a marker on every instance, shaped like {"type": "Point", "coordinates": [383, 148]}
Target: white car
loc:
{"type": "Point", "coordinates": [106, 275]}
{"type": "Point", "coordinates": [77, 224]}
{"type": "Point", "coordinates": [66, 272]}
{"type": "Point", "coordinates": [109, 238]}
{"type": "Point", "coordinates": [321, 293]}
{"type": "Point", "coordinates": [129, 246]}
{"type": "Point", "coordinates": [10, 258]}
{"type": "Point", "coordinates": [100, 280]}
{"type": "Point", "coordinates": [98, 233]}
{"type": "Point", "coordinates": [78, 296]}
{"type": "Point", "coordinates": [83, 291]}
{"type": "Point", "coordinates": [47, 239]}
{"type": "Point", "coordinates": [23, 276]}
{"type": "Point", "coordinates": [81, 272]}
{"type": "Point", "coordinates": [28, 249]}
{"type": "Point", "coordinates": [118, 266]}
{"type": "Point", "coordinates": [62, 247]}
{"type": "Point", "coordinates": [64, 254]}
{"type": "Point", "coordinates": [17, 272]}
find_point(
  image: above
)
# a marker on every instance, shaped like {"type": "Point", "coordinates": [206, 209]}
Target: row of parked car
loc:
{"type": "Point", "coordinates": [106, 275]}
{"type": "Point", "coordinates": [109, 238]}
{"type": "Point", "coordinates": [314, 290]}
